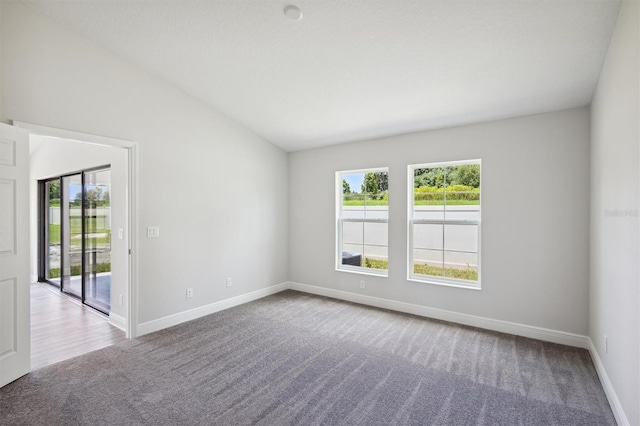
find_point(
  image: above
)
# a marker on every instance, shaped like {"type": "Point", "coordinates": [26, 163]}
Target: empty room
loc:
{"type": "Point", "coordinates": [322, 212]}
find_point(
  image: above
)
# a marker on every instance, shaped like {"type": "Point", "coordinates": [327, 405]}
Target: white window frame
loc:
{"type": "Point", "coordinates": [340, 220]}
{"type": "Point", "coordinates": [432, 279]}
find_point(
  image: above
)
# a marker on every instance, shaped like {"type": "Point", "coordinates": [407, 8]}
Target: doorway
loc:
{"type": "Point", "coordinates": [75, 235]}
{"type": "Point", "coordinates": [55, 152]}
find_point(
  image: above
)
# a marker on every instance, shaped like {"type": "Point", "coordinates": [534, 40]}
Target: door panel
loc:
{"type": "Point", "coordinates": [15, 349]}
{"type": "Point", "coordinates": [97, 239]}
{"type": "Point", "coordinates": [52, 235]}
{"type": "Point", "coordinates": [71, 227]}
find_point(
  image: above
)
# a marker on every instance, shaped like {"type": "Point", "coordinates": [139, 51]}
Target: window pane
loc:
{"type": "Point", "coordinates": [427, 236]}
{"type": "Point", "coordinates": [429, 212]}
{"type": "Point", "coordinates": [462, 212]}
{"type": "Point", "coordinates": [353, 233]}
{"type": "Point", "coordinates": [428, 262]}
{"type": "Point", "coordinates": [376, 257]}
{"type": "Point", "coordinates": [376, 234]}
{"type": "Point", "coordinates": [431, 177]}
{"type": "Point", "coordinates": [461, 238]}
{"type": "Point", "coordinates": [377, 212]}
{"type": "Point", "coordinates": [461, 265]}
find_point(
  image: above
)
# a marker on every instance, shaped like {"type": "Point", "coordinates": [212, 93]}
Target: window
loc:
{"type": "Point", "coordinates": [444, 223]}
{"type": "Point", "coordinates": [362, 221]}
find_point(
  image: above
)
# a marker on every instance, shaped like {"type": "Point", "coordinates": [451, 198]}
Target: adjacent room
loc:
{"type": "Point", "coordinates": [336, 212]}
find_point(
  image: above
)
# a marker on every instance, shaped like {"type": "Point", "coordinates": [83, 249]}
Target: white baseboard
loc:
{"type": "Point", "coordinates": [118, 321]}
{"type": "Point", "coordinates": [175, 319]}
{"type": "Point", "coordinates": [533, 332]}
{"type": "Point", "coordinates": [539, 333]}
{"type": "Point", "coordinates": [614, 402]}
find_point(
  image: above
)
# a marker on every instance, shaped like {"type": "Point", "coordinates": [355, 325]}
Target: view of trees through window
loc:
{"type": "Point", "coordinates": [374, 190]}
{"type": "Point", "coordinates": [445, 221]}
{"type": "Point", "coordinates": [363, 220]}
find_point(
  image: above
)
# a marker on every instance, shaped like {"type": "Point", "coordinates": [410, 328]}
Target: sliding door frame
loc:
{"type": "Point", "coordinates": [44, 212]}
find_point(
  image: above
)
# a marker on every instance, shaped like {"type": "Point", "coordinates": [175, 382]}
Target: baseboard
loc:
{"type": "Point", "coordinates": [118, 321]}
{"type": "Point", "coordinates": [517, 329]}
{"type": "Point", "coordinates": [533, 332]}
{"type": "Point", "coordinates": [175, 319]}
{"type": "Point", "coordinates": [614, 402]}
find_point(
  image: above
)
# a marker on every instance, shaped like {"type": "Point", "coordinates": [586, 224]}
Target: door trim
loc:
{"type": "Point", "coordinates": [132, 189]}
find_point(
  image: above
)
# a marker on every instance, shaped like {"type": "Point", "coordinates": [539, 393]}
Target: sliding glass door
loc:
{"type": "Point", "coordinates": [75, 243]}
{"type": "Point", "coordinates": [50, 253]}
{"type": "Point", "coordinates": [71, 210]}
{"type": "Point", "coordinates": [97, 239]}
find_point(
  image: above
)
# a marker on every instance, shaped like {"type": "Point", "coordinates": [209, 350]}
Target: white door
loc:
{"type": "Point", "coordinates": [15, 336]}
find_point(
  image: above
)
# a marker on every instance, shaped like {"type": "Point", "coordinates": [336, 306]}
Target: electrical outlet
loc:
{"type": "Point", "coordinates": [606, 344]}
{"type": "Point", "coordinates": [153, 231]}
{"type": "Point", "coordinates": [362, 285]}
{"type": "Point", "coordinates": [189, 293]}
{"type": "Point", "coordinates": [120, 233]}
{"type": "Point", "coordinates": [229, 282]}
{"type": "Point", "coordinates": [121, 299]}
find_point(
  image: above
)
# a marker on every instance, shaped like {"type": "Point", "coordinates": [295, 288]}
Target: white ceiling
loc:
{"type": "Point", "coordinates": [357, 69]}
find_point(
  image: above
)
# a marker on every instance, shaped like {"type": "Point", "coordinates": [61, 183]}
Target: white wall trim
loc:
{"type": "Point", "coordinates": [118, 321]}
{"type": "Point", "coordinates": [532, 332]}
{"type": "Point", "coordinates": [73, 135]}
{"type": "Point", "coordinates": [614, 402]}
{"type": "Point", "coordinates": [201, 311]}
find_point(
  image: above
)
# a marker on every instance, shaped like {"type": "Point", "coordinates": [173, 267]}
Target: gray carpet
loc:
{"type": "Point", "coordinates": [297, 359]}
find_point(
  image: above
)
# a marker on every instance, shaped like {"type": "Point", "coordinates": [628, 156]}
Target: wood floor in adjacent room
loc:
{"type": "Point", "coordinates": [62, 328]}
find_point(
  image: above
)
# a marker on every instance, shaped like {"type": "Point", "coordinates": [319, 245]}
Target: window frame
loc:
{"type": "Point", "coordinates": [433, 279]}
{"type": "Point", "coordinates": [339, 220]}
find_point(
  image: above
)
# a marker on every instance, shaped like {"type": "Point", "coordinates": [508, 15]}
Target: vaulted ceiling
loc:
{"type": "Point", "coordinates": [358, 69]}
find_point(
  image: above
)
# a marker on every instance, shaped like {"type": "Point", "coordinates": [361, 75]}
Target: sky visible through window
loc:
{"type": "Point", "coordinates": [355, 181]}
{"type": "Point", "coordinates": [74, 190]}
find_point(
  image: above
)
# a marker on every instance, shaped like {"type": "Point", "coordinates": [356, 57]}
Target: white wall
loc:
{"type": "Point", "coordinates": [2, 119]}
{"type": "Point", "coordinates": [217, 191]}
{"type": "Point", "coordinates": [53, 157]}
{"type": "Point", "coordinates": [615, 188]}
{"type": "Point", "coordinates": [534, 260]}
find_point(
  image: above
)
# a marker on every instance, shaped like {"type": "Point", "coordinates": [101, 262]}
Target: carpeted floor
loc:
{"type": "Point", "coordinates": [298, 359]}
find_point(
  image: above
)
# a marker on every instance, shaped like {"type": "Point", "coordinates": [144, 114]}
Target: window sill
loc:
{"type": "Point", "coordinates": [446, 283]}
{"type": "Point", "coordinates": [364, 271]}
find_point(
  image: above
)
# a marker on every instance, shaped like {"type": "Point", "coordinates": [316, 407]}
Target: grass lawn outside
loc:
{"type": "Point", "coordinates": [449, 203]}
{"type": "Point", "coordinates": [415, 203]}
{"type": "Point", "coordinates": [369, 203]}
{"type": "Point", "coordinates": [76, 229]}
{"type": "Point", "coordinates": [435, 271]}
{"type": "Point", "coordinates": [77, 270]}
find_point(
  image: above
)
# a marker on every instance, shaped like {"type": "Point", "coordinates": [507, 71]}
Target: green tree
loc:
{"type": "Point", "coordinates": [467, 174]}
{"type": "Point", "coordinates": [54, 189]}
{"type": "Point", "coordinates": [94, 196]}
{"type": "Point", "coordinates": [370, 184]}
{"type": "Point", "coordinates": [346, 189]}
{"type": "Point", "coordinates": [434, 176]}
{"type": "Point", "coordinates": [382, 181]}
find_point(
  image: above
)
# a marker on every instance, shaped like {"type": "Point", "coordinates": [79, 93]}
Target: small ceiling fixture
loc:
{"type": "Point", "coordinates": [293, 12]}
